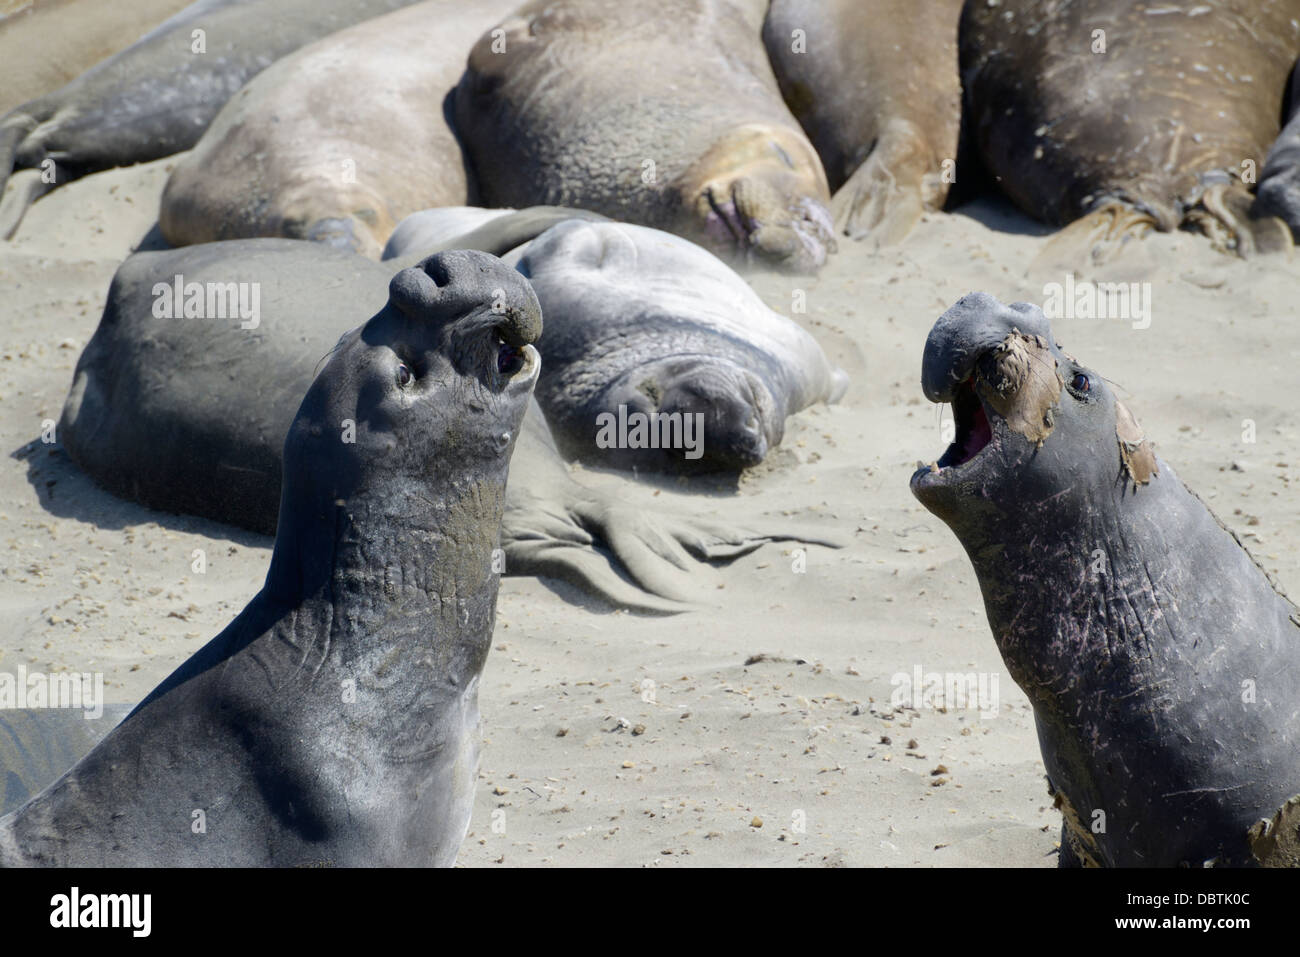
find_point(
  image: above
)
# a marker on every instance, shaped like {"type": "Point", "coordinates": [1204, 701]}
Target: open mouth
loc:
{"type": "Point", "coordinates": [510, 358]}
{"type": "Point", "coordinates": [974, 432]}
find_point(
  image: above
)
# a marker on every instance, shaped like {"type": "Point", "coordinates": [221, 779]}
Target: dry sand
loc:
{"type": "Point", "coordinates": [616, 739]}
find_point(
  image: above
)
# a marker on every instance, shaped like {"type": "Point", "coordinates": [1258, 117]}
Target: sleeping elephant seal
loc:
{"type": "Point", "coordinates": [1120, 116]}
{"type": "Point", "coordinates": [659, 357]}
{"type": "Point", "coordinates": [335, 720]}
{"type": "Point", "coordinates": [1162, 664]}
{"type": "Point", "coordinates": [495, 231]}
{"type": "Point", "coordinates": [189, 415]}
{"type": "Point", "coordinates": [556, 108]}
{"type": "Point", "coordinates": [157, 96]}
{"type": "Point", "coordinates": [874, 83]}
{"type": "Point", "coordinates": [338, 142]}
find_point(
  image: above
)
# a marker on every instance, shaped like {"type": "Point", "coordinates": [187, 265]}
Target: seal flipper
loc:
{"type": "Point", "coordinates": [1097, 238]}
{"type": "Point", "coordinates": [1226, 214]}
{"type": "Point", "coordinates": [1276, 842]}
{"type": "Point", "coordinates": [884, 198]}
{"type": "Point", "coordinates": [26, 187]}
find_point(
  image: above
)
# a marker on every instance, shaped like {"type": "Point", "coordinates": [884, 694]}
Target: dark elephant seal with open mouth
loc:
{"type": "Point", "coordinates": [1126, 116]}
{"type": "Point", "coordinates": [189, 415]}
{"type": "Point", "coordinates": [1162, 664]}
{"type": "Point", "coordinates": [157, 96]}
{"type": "Point", "coordinates": [874, 82]}
{"type": "Point", "coordinates": [557, 108]}
{"type": "Point", "coordinates": [659, 356]}
{"type": "Point", "coordinates": [336, 719]}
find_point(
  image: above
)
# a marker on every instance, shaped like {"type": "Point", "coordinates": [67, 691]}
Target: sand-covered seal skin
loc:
{"type": "Point", "coordinates": [874, 83]}
{"type": "Point", "coordinates": [190, 415]}
{"type": "Point", "coordinates": [555, 108]}
{"type": "Point", "coordinates": [338, 141]}
{"type": "Point", "coordinates": [1127, 116]}
{"type": "Point", "coordinates": [1162, 663]}
{"type": "Point", "coordinates": [641, 323]}
{"type": "Point", "coordinates": [335, 721]}
{"type": "Point", "coordinates": [157, 96]}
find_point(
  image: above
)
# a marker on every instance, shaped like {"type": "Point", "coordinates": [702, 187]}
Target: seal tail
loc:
{"type": "Point", "coordinates": [14, 130]}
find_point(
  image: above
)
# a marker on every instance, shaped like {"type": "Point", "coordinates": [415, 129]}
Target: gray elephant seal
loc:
{"type": "Point", "coordinates": [555, 109]}
{"type": "Point", "coordinates": [496, 231]}
{"type": "Point", "coordinates": [658, 356]}
{"type": "Point", "coordinates": [1162, 664]}
{"type": "Point", "coordinates": [1201, 89]}
{"type": "Point", "coordinates": [50, 42]}
{"type": "Point", "coordinates": [874, 83]}
{"type": "Point", "coordinates": [336, 719]}
{"type": "Point", "coordinates": [338, 142]}
{"type": "Point", "coordinates": [189, 416]}
{"type": "Point", "coordinates": [157, 96]}
{"type": "Point", "coordinates": [1278, 193]}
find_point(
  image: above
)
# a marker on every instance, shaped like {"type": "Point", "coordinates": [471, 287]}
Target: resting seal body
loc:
{"type": "Point", "coordinates": [555, 108]}
{"type": "Point", "coordinates": [1126, 116]}
{"type": "Point", "coordinates": [336, 720]}
{"type": "Point", "coordinates": [645, 324]}
{"type": "Point", "coordinates": [337, 142]}
{"type": "Point", "coordinates": [1162, 664]}
{"type": "Point", "coordinates": [189, 416]}
{"type": "Point", "coordinates": [874, 83]}
{"type": "Point", "coordinates": [157, 96]}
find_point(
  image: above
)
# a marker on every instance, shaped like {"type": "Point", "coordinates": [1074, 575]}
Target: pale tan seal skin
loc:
{"type": "Point", "coordinates": [874, 83]}
{"type": "Point", "coordinates": [51, 42]}
{"type": "Point", "coordinates": [338, 142]}
{"type": "Point", "coordinates": [659, 114]}
{"type": "Point", "coordinates": [1165, 128]}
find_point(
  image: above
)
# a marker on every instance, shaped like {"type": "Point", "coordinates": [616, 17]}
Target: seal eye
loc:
{"type": "Point", "coordinates": [1080, 383]}
{"type": "Point", "coordinates": [403, 375]}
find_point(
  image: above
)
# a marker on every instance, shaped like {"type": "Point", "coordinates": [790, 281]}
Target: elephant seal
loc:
{"type": "Point", "coordinates": [39, 744]}
{"type": "Point", "coordinates": [189, 416]}
{"type": "Point", "coordinates": [1162, 664]}
{"type": "Point", "coordinates": [1119, 117]}
{"type": "Point", "coordinates": [659, 357]}
{"type": "Point", "coordinates": [50, 42]}
{"type": "Point", "coordinates": [157, 96]}
{"type": "Point", "coordinates": [338, 142]}
{"type": "Point", "coordinates": [874, 83]}
{"type": "Point", "coordinates": [496, 231]}
{"type": "Point", "coordinates": [555, 109]}
{"type": "Point", "coordinates": [335, 720]}
{"type": "Point", "coordinates": [1278, 193]}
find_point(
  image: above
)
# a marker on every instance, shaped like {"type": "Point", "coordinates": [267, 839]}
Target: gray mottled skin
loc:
{"type": "Point", "coordinates": [874, 83]}
{"type": "Point", "coordinates": [338, 141]}
{"type": "Point", "coordinates": [496, 231]}
{"type": "Point", "coordinates": [381, 584]}
{"type": "Point", "coordinates": [567, 115]}
{"type": "Point", "coordinates": [39, 744]}
{"type": "Point", "coordinates": [1278, 193]}
{"type": "Point", "coordinates": [190, 415]}
{"type": "Point", "coordinates": [644, 319]}
{"type": "Point", "coordinates": [1128, 614]}
{"type": "Point", "coordinates": [1184, 93]}
{"type": "Point", "coordinates": [156, 97]}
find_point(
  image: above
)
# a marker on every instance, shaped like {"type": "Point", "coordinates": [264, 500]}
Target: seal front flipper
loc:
{"type": "Point", "coordinates": [1226, 214]}
{"type": "Point", "coordinates": [1100, 237]}
{"type": "Point", "coordinates": [883, 200]}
